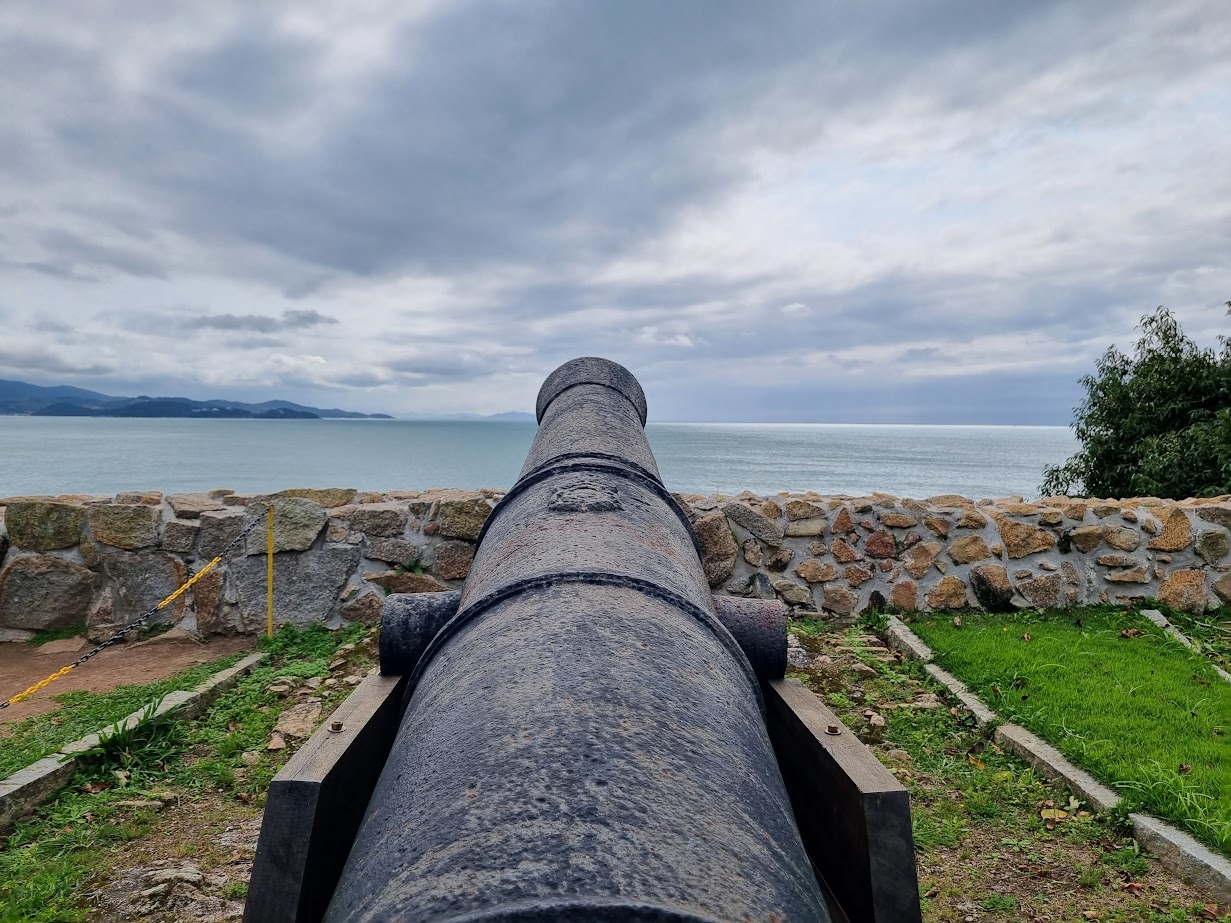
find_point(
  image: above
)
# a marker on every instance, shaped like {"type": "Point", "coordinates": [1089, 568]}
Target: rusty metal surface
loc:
{"type": "Point", "coordinates": [583, 739]}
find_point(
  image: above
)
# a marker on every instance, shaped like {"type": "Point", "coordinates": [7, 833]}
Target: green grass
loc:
{"type": "Point", "coordinates": [81, 713]}
{"type": "Point", "coordinates": [57, 634]}
{"type": "Point", "coordinates": [244, 718]}
{"type": "Point", "coordinates": [808, 626]}
{"type": "Point", "coordinates": [1211, 632]}
{"type": "Point", "coordinates": [976, 809]}
{"type": "Point", "coordinates": [47, 862]}
{"type": "Point", "coordinates": [980, 784]}
{"type": "Point", "coordinates": [1139, 711]}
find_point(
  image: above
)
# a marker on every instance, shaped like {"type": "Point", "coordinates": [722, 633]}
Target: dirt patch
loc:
{"type": "Point", "coordinates": [22, 665]}
{"type": "Point", "coordinates": [193, 866]}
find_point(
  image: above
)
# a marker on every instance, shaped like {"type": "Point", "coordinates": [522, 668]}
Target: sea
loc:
{"type": "Point", "coordinates": [81, 455]}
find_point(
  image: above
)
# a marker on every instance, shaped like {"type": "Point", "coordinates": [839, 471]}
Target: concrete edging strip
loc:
{"type": "Point", "coordinates": [1051, 764]}
{"type": "Point", "coordinates": [1177, 850]}
{"type": "Point", "coordinates": [1174, 849]}
{"type": "Point", "coordinates": [1165, 624]}
{"type": "Point", "coordinates": [902, 639]}
{"type": "Point", "coordinates": [27, 788]}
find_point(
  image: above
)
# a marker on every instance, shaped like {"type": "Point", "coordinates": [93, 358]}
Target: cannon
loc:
{"type": "Point", "coordinates": [584, 731]}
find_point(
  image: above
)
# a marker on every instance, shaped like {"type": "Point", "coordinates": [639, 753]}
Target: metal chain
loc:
{"type": "Point", "coordinates": [137, 623]}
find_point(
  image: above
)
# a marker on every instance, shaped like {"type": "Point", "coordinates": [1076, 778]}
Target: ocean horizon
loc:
{"type": "Point", "coordinates": [60, 455]}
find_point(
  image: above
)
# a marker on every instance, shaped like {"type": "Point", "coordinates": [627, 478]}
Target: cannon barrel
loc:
{"type": "Point", "coordinates": [583, 738]}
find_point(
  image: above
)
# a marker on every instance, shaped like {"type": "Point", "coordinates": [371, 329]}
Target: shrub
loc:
{"type": "Point", "coordinates": [1157, 423]}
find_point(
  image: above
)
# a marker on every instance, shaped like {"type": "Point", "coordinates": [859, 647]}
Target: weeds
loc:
{"type": "Point", "coordinates": [46, 861]}
{"type": "Point", "coordinates": [1127, 859]}
{"type": "Point", "coordinates": [990, 841]}
{"type": "Point", "coordinates": [1003, 902]}
{"type": "Point", "coordinates": [1090, 877]}
{"type": "Point", "coordinates": [47, 864]}
{"type": "Point", "coordinates": [130, 750]}
{"type": "Point", "coordinates": [56, 634]}
{"type": "Point", "coordinates": [807, 626]}
{"type": "Point", "coordinates": [876, 620]}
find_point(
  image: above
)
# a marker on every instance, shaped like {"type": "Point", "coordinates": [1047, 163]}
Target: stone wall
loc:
{"type": "Point", "coordinates": [103, 561]}
{"type": "Point", "coordinates": [843, 555]}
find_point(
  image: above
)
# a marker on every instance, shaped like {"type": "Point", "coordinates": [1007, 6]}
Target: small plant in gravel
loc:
{"type": "Point", "coordinates": [876, 620]}
{"type": "Point", "coordinates": [1090, 877]}
{"type": "Point", "coordinates": [56, 634]}
{"type": "Point", "coordinates": [1002, 902]}
{"type": "Point", "coordinates": [141, 749]}
{"type": "Point", "coordinates": [237, 889]}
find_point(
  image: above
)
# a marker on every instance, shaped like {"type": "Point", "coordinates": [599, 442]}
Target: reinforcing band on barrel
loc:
{"type": "Point", "coordinates": [594, 578]}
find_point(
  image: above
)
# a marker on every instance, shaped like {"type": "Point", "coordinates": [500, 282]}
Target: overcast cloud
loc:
{"type": "Point", "coordinates": [876, 212]}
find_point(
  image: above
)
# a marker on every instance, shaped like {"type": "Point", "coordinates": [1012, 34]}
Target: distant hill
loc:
{"type": "Point", "coordinates": [19, 397]}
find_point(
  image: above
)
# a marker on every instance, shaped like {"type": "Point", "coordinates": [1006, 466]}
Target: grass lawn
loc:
{"type": "Point", "coordinates": [195, 768]}
{"type": "Point", "coordinates": [1114, 694]}
{"type": "Point", "coordinates": [81, 713]}
{"type": "Point", "coordinates": [1211, 632]}
{"type": "Point", "coordinates": [989, 844]}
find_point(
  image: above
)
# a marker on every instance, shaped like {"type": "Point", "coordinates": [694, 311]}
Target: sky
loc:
{"type": "Point", "coordinates": [901, 212]}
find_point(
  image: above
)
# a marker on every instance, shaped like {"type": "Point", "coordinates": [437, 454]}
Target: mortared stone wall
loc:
{"type": "Point", "coordinates": [103, 561]}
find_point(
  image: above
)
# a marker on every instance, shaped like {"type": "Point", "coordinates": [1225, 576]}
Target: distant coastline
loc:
{"type": "Point", "coordinates": [19, 398]}
{"type": "Point", "coordinates": [172, 407]}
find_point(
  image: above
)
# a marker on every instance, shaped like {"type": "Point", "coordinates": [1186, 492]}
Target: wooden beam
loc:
{"type": "Point", "coordinates": [316, 803]}
{"type": "Point", "coordinates": [854, 816]}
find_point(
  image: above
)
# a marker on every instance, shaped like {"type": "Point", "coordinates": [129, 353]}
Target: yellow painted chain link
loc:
{"type": "Point", "coordinates": [40, 684]}
{"type": "Point", "coordinates": [204, 570]}
{"type": "Point", "coordinates": [55, 676]}
{"type": "Point", "coordinates": [176, 595]}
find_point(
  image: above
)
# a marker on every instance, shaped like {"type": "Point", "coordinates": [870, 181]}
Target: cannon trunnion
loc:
{"type": "Point", "coordinates": [582, 731]}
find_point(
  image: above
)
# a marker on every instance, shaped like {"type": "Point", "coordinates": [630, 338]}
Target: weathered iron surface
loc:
{"type": "Point", "coordinates": [584, 738]}
{"type": "Point", "coordinates": [595, 412]}
{"type": "Point", "coordinates": [759, 627]}
{"type": "Point", "coordinates": [408, 622]}
{"type": "Point", "coordinates": [590, 370]}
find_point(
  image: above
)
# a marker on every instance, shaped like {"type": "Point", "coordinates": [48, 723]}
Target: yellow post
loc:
{"type": "Point", "coordinates": [269, 573]}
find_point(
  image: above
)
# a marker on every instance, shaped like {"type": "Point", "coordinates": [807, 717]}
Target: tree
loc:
{"type": "Point", "coordinates": [1157, 423]}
